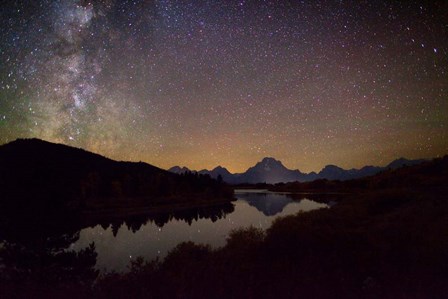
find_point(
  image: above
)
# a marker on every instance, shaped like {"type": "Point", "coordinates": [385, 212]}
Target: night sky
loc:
{"type": "Point", "coordinates": [207, 83]}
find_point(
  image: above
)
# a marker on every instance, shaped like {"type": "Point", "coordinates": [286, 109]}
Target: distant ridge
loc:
{"type": "Point", "coordinates": [42, 176]}
{"type": "Point", "coordinates": [404, 162]}
{"type": "Point", "coordinates": [272, 171]}
{"type": "Point", "coordinates": [179, 170]}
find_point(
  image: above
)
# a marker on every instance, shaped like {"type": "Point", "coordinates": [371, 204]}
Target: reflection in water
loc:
{"type": "Point", "coordinates": [37, 249]}
{"type": "Point", "coordinates": [134, 224]}
{"type": "Point", "coordinates": [269, 204]}
{"type": "Point", "coordinates": [29, 242]}
{"type": "Point", "coordinates": [120, 242]}
{"type": "Point", "coordinates": [272, 203]}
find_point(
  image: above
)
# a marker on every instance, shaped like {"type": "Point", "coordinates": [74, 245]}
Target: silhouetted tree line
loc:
{"type": "Point", "coordinates": [150, 187]}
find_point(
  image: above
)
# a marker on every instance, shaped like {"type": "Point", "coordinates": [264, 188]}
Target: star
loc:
{"type": "Point", "coordinates": [228, 82]}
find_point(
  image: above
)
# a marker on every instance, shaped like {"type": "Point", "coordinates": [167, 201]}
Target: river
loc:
{"type": "Point", "coordinates": [151, 237]}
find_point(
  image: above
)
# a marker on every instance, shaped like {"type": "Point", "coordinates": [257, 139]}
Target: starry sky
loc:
{"type": "Point", "coordinates": [207, 83]}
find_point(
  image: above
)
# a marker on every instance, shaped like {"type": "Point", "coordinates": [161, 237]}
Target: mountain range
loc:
{"type": "Point", "coordinates": [272, 171]}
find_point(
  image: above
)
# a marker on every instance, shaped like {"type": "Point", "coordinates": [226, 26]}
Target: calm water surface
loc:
{"type": "Point", "coordinates": [119, 243]}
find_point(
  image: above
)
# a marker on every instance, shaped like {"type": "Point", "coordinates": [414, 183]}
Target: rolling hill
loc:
{"type": "Point", "coordinates": [39, 175]}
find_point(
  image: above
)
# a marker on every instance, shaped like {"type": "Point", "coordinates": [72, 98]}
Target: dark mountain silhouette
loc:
{"type": "Point", "coordinates": [427, 176]}
{"type": "Point", "coordinates": [272, 171]}
{"type": "Point", "coordinates": [332, 172]}
{"type": "Point", "coordinates": [404, 162]}
{"type": "Point", "coordinates": [179, 170]}
{"type": "Point", "coordinates": [223, 172]}
{"type": "Point", "coordinates": [41, 176]}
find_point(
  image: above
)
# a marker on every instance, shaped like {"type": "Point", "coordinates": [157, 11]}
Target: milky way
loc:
{"type": "Point", "coordinates": [203, 83]}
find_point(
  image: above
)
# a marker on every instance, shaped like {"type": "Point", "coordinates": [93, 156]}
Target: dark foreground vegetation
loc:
{"type": "Point", "coordinates": [388, 240]}
{"type": "Point", "coordinates": [42, 177]}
